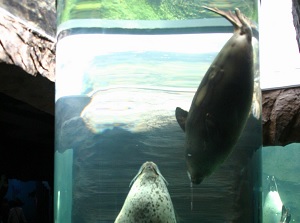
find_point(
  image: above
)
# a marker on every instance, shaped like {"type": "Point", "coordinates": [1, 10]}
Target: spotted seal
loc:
{"type": "Point", "coordinates": [274, 210]}
{"type": "Point", "coordinates": [221, 104]}
{"type": "Point", "coordinates": [148, 199]}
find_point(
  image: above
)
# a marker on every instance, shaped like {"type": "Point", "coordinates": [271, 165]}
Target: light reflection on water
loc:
{"type": "Point", "coordinates": [142, 61]}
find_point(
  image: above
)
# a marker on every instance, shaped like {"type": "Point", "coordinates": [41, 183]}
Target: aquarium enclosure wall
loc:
{"type": "Point", "coordinates": [155, 120]}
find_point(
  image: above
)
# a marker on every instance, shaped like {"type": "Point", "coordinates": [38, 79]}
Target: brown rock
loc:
{"type": "Point", "coordinates": [26, 47]}
{"type": "Point", "coordinates": [281, 116]}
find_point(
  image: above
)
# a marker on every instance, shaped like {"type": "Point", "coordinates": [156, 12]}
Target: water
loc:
{"type": "Point", "coordinates": [116, 94]}
{"type": "Point", "coordinates": [283, 164]}
{"type": "Point", "coordinates": [115, 109]}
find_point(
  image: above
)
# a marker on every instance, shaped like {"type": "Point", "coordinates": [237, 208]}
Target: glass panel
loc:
{"type": "Point", "coordinates": [118, 125]}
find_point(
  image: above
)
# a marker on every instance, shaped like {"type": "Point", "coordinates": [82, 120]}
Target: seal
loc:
{"type": "Point", "coordinates": [221, 104]}
{"type": "Point", "coordinates": [148, 199]}
{"type": "Point", "coordinates": [285, 215]}
{"type": "Point", "coordinates": [273, 207]}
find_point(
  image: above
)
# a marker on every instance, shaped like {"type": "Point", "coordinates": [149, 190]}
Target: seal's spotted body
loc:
{"type": "Point", "coordinates": [148, 199]}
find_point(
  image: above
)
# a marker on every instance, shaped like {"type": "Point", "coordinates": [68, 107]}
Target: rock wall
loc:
{"type": "Point", "coordinates": [281, 116]}
{"type": "Point", "coordinates": [39, 14]}
{"type": "Point", "coordinates": [25, 46]}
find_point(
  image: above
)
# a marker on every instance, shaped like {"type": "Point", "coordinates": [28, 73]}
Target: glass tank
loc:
{"type": "Point", "coordinates": [158, 112]}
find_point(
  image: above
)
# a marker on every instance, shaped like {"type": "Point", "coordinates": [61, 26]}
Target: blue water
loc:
{"type": "Point", "coordinates": [122, 115]}
{"type": "Point", "coordinates": [283, 164]}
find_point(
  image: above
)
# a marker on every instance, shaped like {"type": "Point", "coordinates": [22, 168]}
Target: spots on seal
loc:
{"type": "Point", "coordinates": [148, 199]}
{"type": "Point", "coordinates": [222, 103]}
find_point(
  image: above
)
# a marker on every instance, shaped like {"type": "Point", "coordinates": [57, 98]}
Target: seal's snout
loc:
{"type": "Point", "coordinates": [195, 179]}
{"type": "Point", "coordinates": [150, 167]}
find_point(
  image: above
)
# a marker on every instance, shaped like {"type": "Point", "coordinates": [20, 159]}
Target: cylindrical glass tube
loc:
{"type": "Point", "coordinates": [155, 120]}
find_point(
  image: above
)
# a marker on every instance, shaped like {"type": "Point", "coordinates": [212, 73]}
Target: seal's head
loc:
{"type": "Point", "coordinates": [148, 170]}
{"type": "Point", "coordinates": [196, 176]}
{"type": "Point", "coordinates": [199, 166]}
{"type": "Point", "coordinates": [148, 199]}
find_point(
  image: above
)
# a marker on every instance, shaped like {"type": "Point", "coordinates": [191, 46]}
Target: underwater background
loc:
{"type": "Point", "coordinates": [283, 163]}
{"type": "Point", "coordinates": [115, 109]}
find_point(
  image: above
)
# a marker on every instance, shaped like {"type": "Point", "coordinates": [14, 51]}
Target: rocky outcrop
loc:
{"type": "Point", "coordinates": [281, 116]}
{"type": "Point", "coordinates": [38, 14]}
{"type": "Point", "coordinates": [26, 47]}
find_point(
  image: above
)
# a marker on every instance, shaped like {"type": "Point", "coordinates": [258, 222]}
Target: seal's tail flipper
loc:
{"type": "Point", "coordinates": [238, 20]}
{"type": "Point", "coordinates": [181, 116]}
{"type": "Point", "coordinates": [233, 19]}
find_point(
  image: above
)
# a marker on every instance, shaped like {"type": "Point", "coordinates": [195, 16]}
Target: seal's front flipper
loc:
{"type": "Point", "coordinates": [181, 116]}
{"type": "Point", "coordinates": [288, 218]}
{"type": "Point", "coordinates": [285, 215]}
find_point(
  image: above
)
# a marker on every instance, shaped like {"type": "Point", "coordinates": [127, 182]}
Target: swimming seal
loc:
{"type": "Point", "coordinates": [222, 103]}
{"type": "Point", "coordinates": [148, 199]}
{"type": "Point", "coordinates": [273, 204]}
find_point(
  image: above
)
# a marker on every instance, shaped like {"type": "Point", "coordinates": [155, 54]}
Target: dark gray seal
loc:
{"type": "Point", "coordinates": [222, 103]}
{"type": "Point", "coordinates": [148, 199]}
